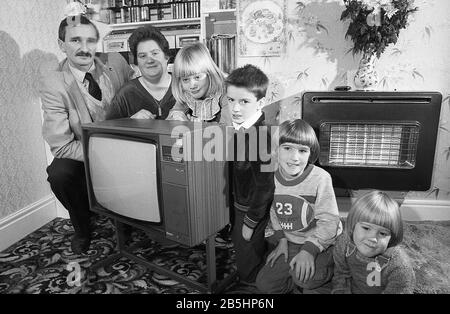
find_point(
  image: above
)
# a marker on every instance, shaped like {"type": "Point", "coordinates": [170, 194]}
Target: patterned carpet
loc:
{"type": "Point", "coordinates": [43, 262]}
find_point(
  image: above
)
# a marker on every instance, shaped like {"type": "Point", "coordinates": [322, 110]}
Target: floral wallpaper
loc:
{"type": "Point", "coordinates": [28, 33]}
{"type": "Point", "coordinates": [318, 57]}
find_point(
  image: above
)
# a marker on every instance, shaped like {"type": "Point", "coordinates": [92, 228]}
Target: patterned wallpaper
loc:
{"type": "Point", "coordinates": [317, 58]}
{"type": "Point", "coordinates": [28, 33]}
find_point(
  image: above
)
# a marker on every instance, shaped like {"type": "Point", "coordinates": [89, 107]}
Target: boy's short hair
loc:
{"type": "Point", "coordinates": [298, 131]}
{"type": "Point", "coordinates": [251, 78]}
{"type": "Point", "coordinates": [75, 20]}
{"type": "Point", "coordinates": [378, 208]}
{"type": "Point", "coordinates": [146, 33]}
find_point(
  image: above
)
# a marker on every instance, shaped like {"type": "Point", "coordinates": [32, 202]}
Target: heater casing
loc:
{"type": "Point", "coordinates": [416, 112]}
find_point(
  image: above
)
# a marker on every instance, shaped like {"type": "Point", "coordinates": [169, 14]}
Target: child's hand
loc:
{"type": "Point", "coordinates": [303, 263]}
{"type": "Point", "coordinates": [281, 249]}
{"type": "Point", "coordinates": [247, 232]}
{"type": "Point", "coordinates": [143, 114]}
{"type": "Point", "coordinates": [177, 115]}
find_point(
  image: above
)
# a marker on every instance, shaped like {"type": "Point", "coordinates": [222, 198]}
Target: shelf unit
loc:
{"type": "Point", "coordinates": [159, 23]}
{"type": "Point", "coordinates": [210, 22]}
{"type": "Point", "coordinates": [132, 11]}
{"type": "Point", "coordinates": [158, 13]}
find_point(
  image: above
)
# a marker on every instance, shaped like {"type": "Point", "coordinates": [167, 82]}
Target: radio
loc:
{"type": "Point", "coordinates": [117, 41]}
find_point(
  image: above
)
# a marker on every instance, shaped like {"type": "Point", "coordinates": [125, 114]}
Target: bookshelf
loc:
{"type": "Point", "coordinates": [178, 20]}
{"type": "Point", "coordinates": [115, 12]}
{"type": "Point", "coordinates": [212, 22]}
{"type": "Point", "coordinates": [160, 23]}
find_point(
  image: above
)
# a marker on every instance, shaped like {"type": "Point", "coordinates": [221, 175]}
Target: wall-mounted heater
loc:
{"type": "Point", "coordinates": [382, 140]}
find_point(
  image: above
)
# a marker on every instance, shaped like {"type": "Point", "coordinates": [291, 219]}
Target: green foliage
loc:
{"type": "Point", "coordinates": [375, 38]}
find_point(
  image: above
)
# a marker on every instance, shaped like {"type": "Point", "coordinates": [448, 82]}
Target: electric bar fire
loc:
{"type": "Point", "coordinates": [383, 140]}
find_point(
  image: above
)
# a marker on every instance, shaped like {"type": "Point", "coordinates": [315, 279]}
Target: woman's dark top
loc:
{"type": "Point", "coordinates": [133, 97]}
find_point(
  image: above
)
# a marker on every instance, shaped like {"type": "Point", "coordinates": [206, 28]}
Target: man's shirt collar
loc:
{"type": "Point", "coordinates": [78, 74]}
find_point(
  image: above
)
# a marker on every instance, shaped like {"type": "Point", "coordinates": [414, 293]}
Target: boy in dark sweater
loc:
{"type": "Point", "coordinates": [251, 175]}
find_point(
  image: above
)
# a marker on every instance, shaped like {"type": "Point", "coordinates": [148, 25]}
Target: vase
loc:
{"type": "Point", "coordinates": [366, 78]}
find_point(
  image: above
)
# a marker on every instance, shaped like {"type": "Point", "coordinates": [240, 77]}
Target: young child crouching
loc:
{"type": "Point", "coordinates": [304, 215]}
{"type": "Point", "coordinates": [368, 258]}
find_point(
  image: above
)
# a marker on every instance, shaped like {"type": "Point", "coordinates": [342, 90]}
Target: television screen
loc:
{"type": "Point", "coordinates": [124, 176]}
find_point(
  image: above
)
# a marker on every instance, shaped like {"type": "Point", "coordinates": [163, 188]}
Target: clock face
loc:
{"type": "Point", "coordinates": [263, 21]}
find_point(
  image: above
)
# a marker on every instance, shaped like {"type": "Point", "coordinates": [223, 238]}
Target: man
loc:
{"type": "Point", "coordinates": [77, 92]}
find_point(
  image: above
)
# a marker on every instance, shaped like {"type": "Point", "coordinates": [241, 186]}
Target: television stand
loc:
{"type": "Point", "coordinates": [212, 285]}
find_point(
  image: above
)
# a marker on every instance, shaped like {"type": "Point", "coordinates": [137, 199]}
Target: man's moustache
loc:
{"type": "Point", "coordinates": [83, 55]}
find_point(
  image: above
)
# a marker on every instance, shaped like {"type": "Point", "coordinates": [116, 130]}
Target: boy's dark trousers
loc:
{"type": "Point", "coordinates": [250, 255]}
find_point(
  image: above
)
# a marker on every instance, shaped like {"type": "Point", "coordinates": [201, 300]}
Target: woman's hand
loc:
{"type": "Point", "coordinates": [281, 249]}
{"type": "Point", "coordinates": [303, 263]}
{"type": "Point", "coordinates": [143, 114]}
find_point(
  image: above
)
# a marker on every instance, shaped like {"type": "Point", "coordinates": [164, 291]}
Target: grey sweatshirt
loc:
{"type": "Point", "coordinates": [389, 273]}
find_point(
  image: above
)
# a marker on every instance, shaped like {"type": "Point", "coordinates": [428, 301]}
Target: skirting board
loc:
{"type": "Point", "coordinates": [412, 210]}
{"type": "Point", "coordinates": [26, 220]}
{"type": "Point", "coordinates": [61, 211]}
{"type": "Point", "coordinates": [23, 222]}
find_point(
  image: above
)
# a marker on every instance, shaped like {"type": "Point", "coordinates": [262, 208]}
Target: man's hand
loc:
{"type": "Point", "coordinates": [281, 249]}
{"type": "Point", "coordinates": [247, 232]}
{"type": "Point", "coordinates": [303, 263]}
{"type": "Point", "coordinates": [143, 114]}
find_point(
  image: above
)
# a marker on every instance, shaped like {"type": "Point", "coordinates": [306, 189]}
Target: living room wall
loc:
{"type": "Point", "coordinates": [28, 33]}
{"type": "Point", "coordinates": [317, 58]}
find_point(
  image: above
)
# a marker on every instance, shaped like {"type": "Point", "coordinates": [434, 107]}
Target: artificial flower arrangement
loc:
{"type": "Point", "coordinates": [376, 23]}
{"type": "Point", "coordinates": [82, 7]}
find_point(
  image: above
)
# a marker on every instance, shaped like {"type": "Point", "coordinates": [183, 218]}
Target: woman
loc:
{"type": "Point", "coordinates": [150, 95]}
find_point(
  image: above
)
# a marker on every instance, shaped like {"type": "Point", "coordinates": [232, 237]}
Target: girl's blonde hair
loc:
{"type": "Point", "coordinates": [191, 60]}
{"type": "Point", "coordinates": [378, 208]}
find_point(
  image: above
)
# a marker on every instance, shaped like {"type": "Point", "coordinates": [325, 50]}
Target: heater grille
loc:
{"type": "Point", "coordinates": [369, 144]}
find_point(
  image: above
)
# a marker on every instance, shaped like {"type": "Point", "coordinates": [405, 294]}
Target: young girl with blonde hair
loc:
{"type": "Point", "coordinates": [198, 87]}
{"type": "Point", "coordinates": [368, 258]}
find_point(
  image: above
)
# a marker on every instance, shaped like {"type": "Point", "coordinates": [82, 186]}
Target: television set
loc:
{"type": "Point", "coordinates": [142, 171]}
{"type": "Point", "coordinates": [382, 140]}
